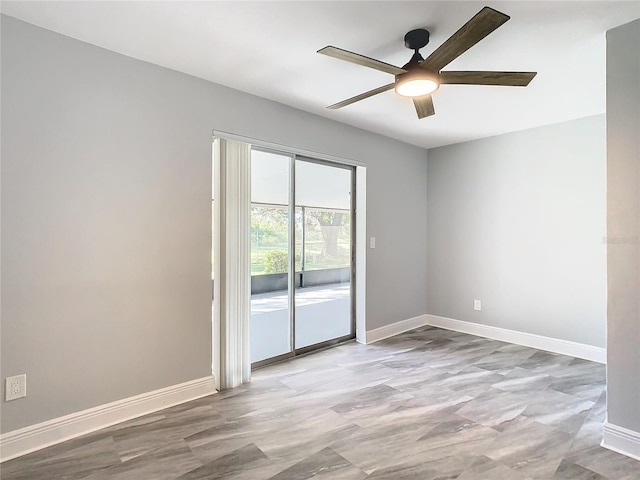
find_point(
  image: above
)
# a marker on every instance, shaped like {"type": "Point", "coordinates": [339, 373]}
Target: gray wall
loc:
{"type": "Point", "coordinates": [518, 222]}
{"type": "Point", "coordinates": [623, 225]}
{"type": "Point", "coordinates": [106, 219]}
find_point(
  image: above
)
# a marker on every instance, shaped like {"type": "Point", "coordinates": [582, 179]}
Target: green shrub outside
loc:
{"type": "Point", "coordinates": [275, 261]}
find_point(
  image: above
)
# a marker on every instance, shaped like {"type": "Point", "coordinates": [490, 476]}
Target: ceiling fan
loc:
{"type": "Point", "coordinates": [420, 77]}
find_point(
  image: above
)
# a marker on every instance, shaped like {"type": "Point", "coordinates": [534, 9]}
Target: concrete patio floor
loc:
{"type": "Point", "coordinates": [322, 313]}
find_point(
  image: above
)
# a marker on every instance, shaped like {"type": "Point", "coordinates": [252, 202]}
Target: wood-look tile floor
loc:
{"type": "Point", "coordinates": [427, 404]}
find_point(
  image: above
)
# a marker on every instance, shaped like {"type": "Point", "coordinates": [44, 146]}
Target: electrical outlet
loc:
{"type": "Point", "coordinates": [15, 387]}
{"type": "Point", "coordinates": [477, 305]}
{"type": "Point", "coordinates": [372, 242]}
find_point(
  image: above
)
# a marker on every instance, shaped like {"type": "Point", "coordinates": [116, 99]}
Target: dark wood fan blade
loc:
{"type": "Point", "coordinates": [509, 79]}
{"type": "Point", "coordinates": [482, 24]}
{"type": "Point", "coordinates": [424, 106]}
{"type": "Point", "coordinates": [361, 60]}
{"type": "Point", "coordinates": [362, 96]}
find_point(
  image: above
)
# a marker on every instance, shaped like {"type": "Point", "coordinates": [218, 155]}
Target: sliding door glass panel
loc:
{"type": "Point", "coordinates": [323, 291]}
{"type": "Point", "coordinates": [270, 237]}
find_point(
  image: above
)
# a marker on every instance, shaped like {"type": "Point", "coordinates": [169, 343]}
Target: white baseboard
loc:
{"type": "Point", "coordinates": [396, 328]}
{"type": "Point", "coordinates": [621, 440]}
{"type": "Point", "coordinates": [564, 347]}
{"type": "Point", "coordinates": [35, 437]}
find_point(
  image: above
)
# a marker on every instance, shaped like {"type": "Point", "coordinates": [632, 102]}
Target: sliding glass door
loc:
{"type": "Point", "coordinates": [271, 330]}
{"type": "Point", "coordinates": [301, 255]}
{"type": "Point", "coordinates": [323, 294]}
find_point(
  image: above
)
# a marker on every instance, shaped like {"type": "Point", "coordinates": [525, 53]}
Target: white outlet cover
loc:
{"type": "Point", "coordinates": [15, 387]}
{"type": "Point", "coordinates": [477, 305]}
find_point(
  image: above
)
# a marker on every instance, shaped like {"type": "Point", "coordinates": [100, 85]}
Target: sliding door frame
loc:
{"type": "Point", "coordinates": [291, 290]}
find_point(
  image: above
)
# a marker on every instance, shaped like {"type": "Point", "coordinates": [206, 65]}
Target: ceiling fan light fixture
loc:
{"type": "Point", "coordinates": [416, 84]}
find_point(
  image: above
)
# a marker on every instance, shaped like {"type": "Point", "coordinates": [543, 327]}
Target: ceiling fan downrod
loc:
{"type": "Point", "coordinates": [415, 40]}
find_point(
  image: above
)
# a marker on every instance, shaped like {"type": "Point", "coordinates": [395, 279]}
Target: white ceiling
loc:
{"type": "Point", "coordinates": [268, 48]}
